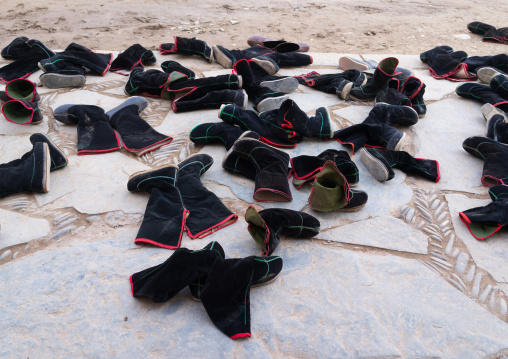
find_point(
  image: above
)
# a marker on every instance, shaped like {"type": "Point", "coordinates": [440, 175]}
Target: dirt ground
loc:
{"type": "Point", "coordinates": [371, 26]}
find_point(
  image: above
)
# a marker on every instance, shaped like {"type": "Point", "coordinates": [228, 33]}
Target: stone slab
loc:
{"type": "Point", "coordinates": [16, 228]}
{"type": "Point", "coordinates": [379, 232]}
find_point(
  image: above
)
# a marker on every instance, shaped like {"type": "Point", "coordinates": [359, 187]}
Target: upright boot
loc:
{"type": "Point", "coordinates": [186, 46]}
{"type": "Point", "coordinates": [149, 83]}
{"type": "Point", "coordinates": [95, 134]}
{"type": "Point", "coordinates": [331, 192]}
{"type": "Point", "coordinates": [271, 182]}
{"type": "Point", "coordinates": [414, 89]}
{"type": "Point", "coordinates": [20, 89]}
{"type": "Point", "coordinates": [173, 66]}
{"type": "Point", "coordinates": [164, 220]}
{"type": "Point", "coordinates": [67, 75]}
{"type": "Point", "coordinates": [265, 271]}
{"type": "Point", "coordinates": [266, 124]}
{"type": "Point", "coordinates": [379, 81]}
{"type": "Point", "coordinates": [497, 123]}
{"type": "Point", "coordinates": [135, 55]}
{"type": "Point", "coordinates": [305, 168]}
{"type": "Point", "coordinates": [339, 84]}
{"type": "Point", "coordinates": [495, 155]}
{"type": "Point", "coordinates": [22, 112]}
{"type": "Point", "coordinates": [380, 163]}
{"type": "Point", "coordinates": [392, 95]}
{"type": "Point", "coordinates": [484, 222]}
{"type": "Point", "coordinates": [483, 94]}
{"type": "Point", "coordinates": [30, 173]}
{"type": "Point", "coordinates": [226, 135]}
{"type": "Point", "coordinates": [267, 226]}
{"type": "Point", "coordinates": [214, 99]}
{"type": "Point", "coordinates": [207, 213]}
{"type": "Point", "coordinates": [27, 56]}
{"type": "Point", "coordinates": [136, 134]}
{"type": "Point", "coordinates": [295, 119]}
{"type": "Point", "coordinates": [81, 56]}
{"type": "Point", "coordinates": [164, 281]}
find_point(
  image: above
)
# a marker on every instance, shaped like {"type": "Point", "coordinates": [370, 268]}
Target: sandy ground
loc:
{"type": "Point", "coordinates": [380, 26]}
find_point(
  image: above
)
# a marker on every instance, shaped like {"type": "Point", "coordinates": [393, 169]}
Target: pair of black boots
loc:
{"type": "Point", "coordinates": [489, 32]}
{"type": "Point", "coordinates": [495, 93]}
{"type": "Point", "coordinates": [67, 68]}
{"type": "Point", "coordinates": [179, 202]}
{"type": "Point", "coordinates": [21, 102]}
{"type": "Point", "coordinates": [376, 130]}
{"type": "Point", "coordinates": [493, 148]}
{"type": "Point", "coordinates": [96, 128]}
{"type": "Point", "coordinates": [31, 171]}
{"type": "Point", "coordinates": [222, 285]}
{"type": "Point", "coordinates": [185, 94]}
{"type": "Point", "coordinates": [26, 55]}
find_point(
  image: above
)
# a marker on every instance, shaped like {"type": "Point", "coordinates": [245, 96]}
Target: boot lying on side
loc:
{"type": "Point", "coordinates": [444, 63]}
{"type": "Point", "coordinates": [305, 168]}
{"type": "Point", "coordinates": [22, 112]}
{"type": "Point", "coordinates": [331, 192]}
{"type": "Point", "coordinates": [164, 281]}
{"type": "Point", "coordinates": [484, 222]}
{"type": "Point", "coordinates": [495, 155]}
{"type": "Point", "coordinates": [347, 63]}
{"type": "Point", "coordinates": [338, 84]}
{"type": "Point", "coordinates": [20, 89]}
{"type": "Point", "coordinates": [57, 156]}
{"type": "Point", "coordinates": [487, 73]}
{"type": "Point", "coordinates": [278, 45]}
{"type": "Point", "coordinates": [267, 226]}
{"type": "Point", "coordinates": [499, 61]}
{"type": "Point", "coordinates": [173, 66]}
{"type": "Point", "coordinates": [497, 123]}
{"type": "Point", "coordinates": [95, 134]}
{"type": "Point", "coordinates": [489, 32]}
{"type": "Point", "coordinates": [271, 164]}
{"type": "Point", "coordinates": [164, 220]}
{"type": "Point", "coordinates": [68, 74]}
{"type": "Point", "coordinates": [483, 94]}
{"type": "Point", "coordinates": [380, 163]}
{"type": "Point", "coordinates": [136, 134]}
{"type": "Point", "coordinates": [135, 55]}
{"type": "Point", "coordinates": [207, 213]}
{"type": "Point", "coordinates": [186, 46]}
{"type": "Point", "coordinates": [149, 83]}
{"type": "Point", "coordinates": [226, 135]}
{"type": "Point", "coordinates": [29, 173]}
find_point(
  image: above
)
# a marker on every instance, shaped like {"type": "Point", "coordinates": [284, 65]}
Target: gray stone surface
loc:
{"type": "Point", "coordinates": [374, 306]}
{"type": "Point", "coordinates": [379, 232]}
{"type": "Point", "coordinates": [17, 228]}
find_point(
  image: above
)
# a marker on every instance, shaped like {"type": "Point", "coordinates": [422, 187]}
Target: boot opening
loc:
{"type": "Point", "coordinates": [257, 227]}
{"type": "Point", "coordinates": [16, 112]}
{"type": "Point", "coordinates": [329, 190]}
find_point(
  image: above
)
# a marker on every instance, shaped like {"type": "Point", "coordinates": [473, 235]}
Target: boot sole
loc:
{"type": "Point", "coordinates": [271, 103]}
{"type": "Point", "coordinates": [401, 142]}
{"type": "Point", "coordinates": [47, 169]}
{"type": "Point", "coordinates": [150, 170]}
{"type": "Point", "coordinates": [196, 299]}
{"type": "Point", "coordinates": [56, 81]}
{"type": "Point", "coordinates": [486, 74]}
{"type": "Point", "coordinates": [285, 85]}
{"type": "Point", "coordinates": [348, 63]}
{"type": "Point", "coordinates": [268, 66]}
{"type": "Point", "coordinates": [488, 111]}
{"type": "Point", "coordinates": [245, 100]}
{"type": "Point", "coordinates": [346, 90]}
{"type": "Point", "coordinates": [221, 58]}
{"type": "Point", "coordinates": [376, 168]}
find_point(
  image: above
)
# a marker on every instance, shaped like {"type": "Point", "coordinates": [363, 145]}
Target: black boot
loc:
{"type": "Point", "coordinates": [149, 83]}
{"type": "Point", "coordinates": [379, 81]}
{"type": "Point", "coordinates": [214, 99]}
{"type": "Point", "coordinates": [163, 282]}
{"type": "Point", "coordinates": [267, 226]}
{"type": "Point", "coordinates": [20, 89]}
{"type": "Point", "coordinates": [58, 157]}
{"type": "Point", "coordinates": [173, 66]}
{"type": "Point", "coordinates": [489, 32]}
{"type": "Point", "coordinates": [164, 220]}
{"type": "Point", "coordinates": [500, 86]}
{"type": "Point", "coordinates": [495, 155]}
{"type": "Point", "coordinates": [207, 213]}
{"type": "Point", "coordinates": [253, 74]}
{"type": "Point", "coordinates": [497, 123]}
{"type": "Point", "coordinates": [331, 192]}
{"type": "Point", "coordinates": [67, 75]}
{"type": "Point", "coordinates": [305, 168]}
{"type": "Point", "coordinates": [135, 55]}
{"type": "Point", "coordinates": [444, 63]}
{"type": "Point", "coordinates": [186, 46]}
{"type": "Point", "coordinates": [484, 222]}
{"type": "Point", "coordinates": [227, 57]}
{"type": "Point", "coordinates": [266, 124]}
{"type": "Point", "coordinates": [338, 84]}
{"type": "Point", "coordinates": [277, 60]}
{"type": "Point", "coordinates": [414, 89]}
{"type": "Point", "coordinates": [22, 112]}
{"type": "Point", "coordinates": [27, 57]}
{"type": "Point", "coordinates": [136, 134]}
{"type": "Point", "coordinates": [380, 163]}
{"type": "Point", "coordinates": [271, 182]}
{"type": "Point", "coordinates": [30, 173]}
{"type": "Point", "coordinates": [266, 270]}
{"type": "Point", "coordinates": [500, 62]}
{"type": "Point", "coordinates": [293, 118]}
{"type": "Point", "coordinates": [95, 134]}
{"type": "Point", "coordinates": [483, 94]}
{"type": "Point", "coordinates": [78, 55]}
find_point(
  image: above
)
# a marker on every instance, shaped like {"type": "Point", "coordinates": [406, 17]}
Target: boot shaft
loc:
{"type": "Point", "coordinates": [214, 99]}
{"type": "Point", "coordinates": [212, 133]}
{"type": "Point", "coordinates": [20, 89]}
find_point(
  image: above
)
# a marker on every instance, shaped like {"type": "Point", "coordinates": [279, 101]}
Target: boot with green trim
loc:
{"type": "Point", "coordinates": [380, 163]}
{"type": "Point", "coordinates": [331, 192]}
{"type": "Point", "coordinates": [186, 46]}
{"type": "Point", "coordinates": [22, 112]}
{"type": "Point", "coordinates": [20, 89]}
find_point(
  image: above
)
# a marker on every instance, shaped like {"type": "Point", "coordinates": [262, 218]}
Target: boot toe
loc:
{"type": "Point", "coordinates": [61, 114]}
{"type": "Point", "coordinates": [139, 101]}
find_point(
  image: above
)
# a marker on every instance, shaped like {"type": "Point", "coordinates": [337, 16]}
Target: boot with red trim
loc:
{"type": "Point", "coordinates": [380, 163]}
{"type": "Point", "coordinates": [414, 89]}
{"type": "Point", "coordinates": [164, 220]}
{"type": "Point", "coordinates": [207, 212]}
{"type": "Point", "coordinates": [384, 72]}
{"type": "Point", "coordinates": [295, 119]}
{"type": "Point", "coordinates": [133, 56]}
{"type": "Point", "coordinates": [22, 112]}
{"type": "Point", "coordinates": [267, 226]}
{"type": "Point", "coordinates": [20, 89]}
{"type": "Point", "coordinates": [495, 155]}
